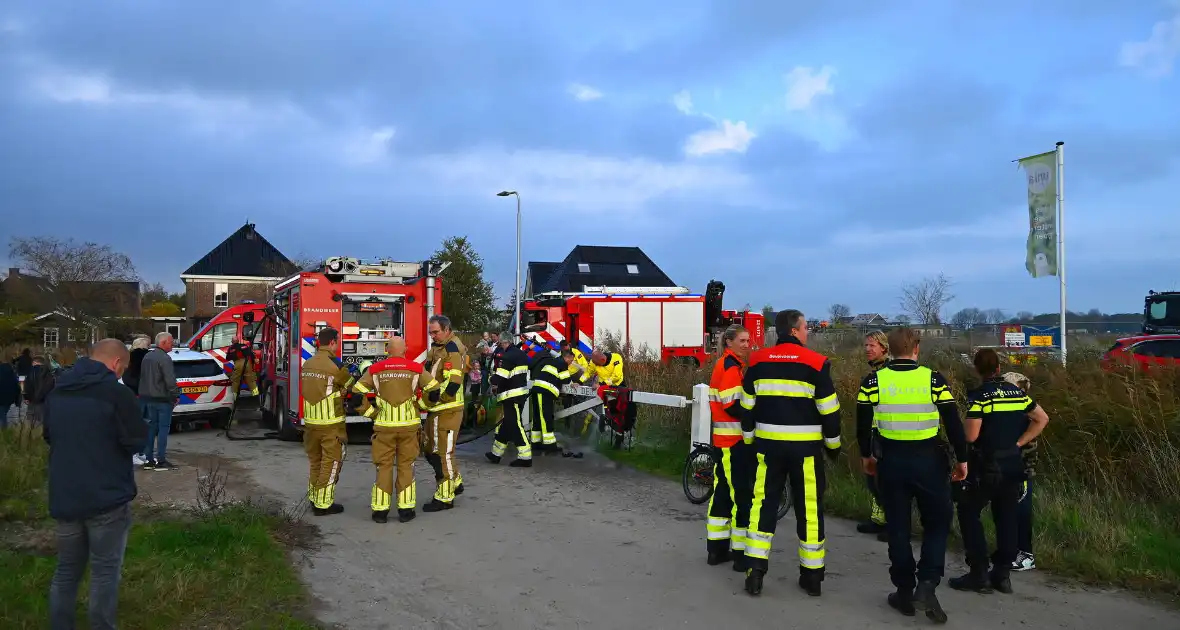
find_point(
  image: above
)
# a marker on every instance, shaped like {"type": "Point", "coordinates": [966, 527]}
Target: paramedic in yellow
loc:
{"type": "Point", "coordinates": [607, 366]}
{"type": "Point", "coordinates": [442, 398]}
{"type": "Point", "coordinates": [393, 384]}
{"type": "Point", "coordinates": [324, 432]}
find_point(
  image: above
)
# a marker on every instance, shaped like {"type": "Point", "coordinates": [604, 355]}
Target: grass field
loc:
{"type": "Point", "coordinates": [1107, 504]}
{"type": "Point", "coordinates": [224, 568]}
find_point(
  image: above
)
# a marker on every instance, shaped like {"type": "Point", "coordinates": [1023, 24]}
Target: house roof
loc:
{"type": "Point", "coordinates": [537, 274]}
{"type": "Point", "coordinates": [101, 298]}
{"type": "Point", "coordinates": [867, 317]}
{"type": "Point", "coordinates": [244, 253]}
{"type": "Point", "coordinates": [599, 265]}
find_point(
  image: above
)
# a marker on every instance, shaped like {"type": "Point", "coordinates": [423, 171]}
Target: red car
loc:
{"type": "Point", "coordinates": [1144, 351]}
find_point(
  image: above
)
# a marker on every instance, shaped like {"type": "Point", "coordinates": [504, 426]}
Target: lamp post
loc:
{"type": "Point", "coordinates": [515, 287]}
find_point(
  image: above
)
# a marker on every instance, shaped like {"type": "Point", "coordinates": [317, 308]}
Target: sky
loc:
{"type": "Point", "coordinates": [803, 153]}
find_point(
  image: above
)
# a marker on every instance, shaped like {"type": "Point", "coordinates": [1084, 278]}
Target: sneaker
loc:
{"type": "Point", "coordinates": [138, 460]}
{"type": "Point", "coordinates": [164, 464]}
{"type": "Point", "coordinates": [1024, 562]}
{"type": "Point", "coordinates": [149, 464]}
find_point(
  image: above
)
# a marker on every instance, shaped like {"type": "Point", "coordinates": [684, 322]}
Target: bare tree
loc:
{"type": "Point", "coordinates": [77, 278]}
{"type": "Point", "coordinates": [1024, 316]}
{"type": "Point", "coordinates": [151, 293]}
{"type": "Point", "coordinates": [995, 316]}
{"type": "Point", "coordinates": [307, 262]}
{"type": "Point", "coordinates": [902, 319]}
{"type": "Point", "coordinates": [836, 312]}
{"type": "Point", "coordinates": [968, 318]}
{"type": "Point", "coordinates": [61, 261]}
{"type": "Point", "coordinates": [925, 299]}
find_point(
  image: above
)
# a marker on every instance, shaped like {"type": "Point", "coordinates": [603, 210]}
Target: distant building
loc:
{"type": "Point", "coordinates": [588, 267]}
{"type": "Point", "coordinates": [869, 320]}
{"type": "Point", "coordinates": [73, 313]}
{"type": "Point", "coordinates": [243, 267]}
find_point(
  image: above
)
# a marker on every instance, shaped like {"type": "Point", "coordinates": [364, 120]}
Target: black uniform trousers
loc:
{"type": "Point", "coordinates": [909, 472]}
{"type": "Point", "coordinates": [1000, 487]}
{"type": "Point", "coordinates": [542, 405]}
{"type": "Point", "coordinates": [799, 464]}
{"type": "Point", "coordinates": [511, 429]}
{"type": "Point", "coordinates": [733, 493]}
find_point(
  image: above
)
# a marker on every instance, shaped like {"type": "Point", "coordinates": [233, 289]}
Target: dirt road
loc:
{"type": "Point", "coordinates": [587, 544]}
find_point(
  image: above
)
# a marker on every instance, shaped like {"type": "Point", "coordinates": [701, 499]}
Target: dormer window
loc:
{"type": "Point", "coordinates": [583, 268]}
{"type": "Point", "coordinates": [633, 270]}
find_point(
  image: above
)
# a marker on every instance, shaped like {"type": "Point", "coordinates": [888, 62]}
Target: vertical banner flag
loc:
{"type": "Point", "coordinates": [1041, 256]}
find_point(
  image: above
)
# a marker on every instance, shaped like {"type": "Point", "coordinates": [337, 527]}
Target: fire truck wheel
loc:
{"type": "Point", "coordinates": [287, 432]}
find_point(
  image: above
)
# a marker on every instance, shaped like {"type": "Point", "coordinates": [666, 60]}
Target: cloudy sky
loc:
{"type": "Point", "coordinates": [803, 152]}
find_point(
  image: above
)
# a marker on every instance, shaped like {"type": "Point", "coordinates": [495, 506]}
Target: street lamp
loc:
{"type": "Point", "coordinates": [516, 287]}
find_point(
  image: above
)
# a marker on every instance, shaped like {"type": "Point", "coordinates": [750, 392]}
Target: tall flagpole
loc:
{"type": "Point", "coordinates": [1061, 240]}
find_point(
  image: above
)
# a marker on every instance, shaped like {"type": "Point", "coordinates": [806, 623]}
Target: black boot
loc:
{"type": "Point", "coordinates": [974, 582]}
{"type": "Point", "coordinates": [718, 557]}
{"type": "Point", "coordinates": [926, 600]}
{"type": "Point", "coordinates": [335, 508]}
{"type": "Point", "coordinates": [739, 561]}
{"type": "Point", "coordinates": [869, 527]}
{"type": "Point", "coordinates": [883, 536]}
{"type": "Point", "coordinates": [754, 581]}
{"type": "Point", "coordinates": [521, 463]}
{"type": "Point", "coordinates": [380, 516]}
{"type": "Point", "coordinates": [809, 581]}
{"type": "Point", "coordinates": [458, 489]}
{"type": "Point", "coordinates": [492, 457]}
{"type": "Point", "coordinates": [902, 601]}
{"type": "Point", "coordinates": [1001, 583]}
{"type": "Point", "coordinates": [405, 515]}
{"type": "Point", "coordinates": [437, 506]}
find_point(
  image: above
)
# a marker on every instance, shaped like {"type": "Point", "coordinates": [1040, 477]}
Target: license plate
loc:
{"type": "Point", "coordinates": [200, 389]}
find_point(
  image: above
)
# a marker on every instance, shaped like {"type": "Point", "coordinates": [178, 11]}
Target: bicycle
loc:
{"type": "Point", "coordinates": [698, 471]}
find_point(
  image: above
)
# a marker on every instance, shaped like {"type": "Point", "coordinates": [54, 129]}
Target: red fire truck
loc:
{"type": "Point", "coordinates": [368, 302]}
{"type": "Point", "coordinates": [668, 323]}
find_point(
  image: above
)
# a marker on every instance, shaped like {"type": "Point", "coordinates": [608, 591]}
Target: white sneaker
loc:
{"type": "Point", "coordinates": [1024, 562]}
{"type": "Point", "coordinates": [138, 459]}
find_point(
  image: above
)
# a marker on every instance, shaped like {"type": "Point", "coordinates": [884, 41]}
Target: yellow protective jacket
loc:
{"type": "Point", "coordinates": [324, 381]}
{"type": "Point", "coordinates": [394, 385]}
{"type": "Point", "coordinates": [444, 382]}
{"type": "Point", "coordinates": [611, 373]}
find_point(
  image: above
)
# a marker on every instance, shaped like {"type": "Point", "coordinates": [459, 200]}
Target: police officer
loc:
{"type": "Point", "coordinates": [549, 374]}
{"type": "Point", "coordinates": [442, 398]}
{"type": "Point", "coordinates": [242, 354]}
{"type": "Point", "coordinates": [325, 435]}
{"type": "Point", "coordinates": [1001, 420]}
{"type": "Point", "coordinates": [393, 382]}
{"type": "Point", "coordinates": [906, 402]}
{"type": "Point", "coordinates": [791, 414]}
{"type": "Point", "coordinates": [877, 354]}
{"type": "Point", "coordinates": [510, 386]}
{"type": "Point", "coordinates": [729, 507]}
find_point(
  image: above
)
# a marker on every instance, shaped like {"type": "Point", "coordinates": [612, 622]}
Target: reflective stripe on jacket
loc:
{"type": "Point", "coordinates": [322, 381]}
{"type": "Point", "coordinates": [788, 396]}
{"type": "Point", "coordinates": [394, 385]}
{"type": "Point", "coordinates": [905, 404]}
{"type": "Point", "coordinates": [725, 393]}
{"type": "Point", "coordinates": [512, 377]}
{"type": "Point", "coordinates": [445, 362]}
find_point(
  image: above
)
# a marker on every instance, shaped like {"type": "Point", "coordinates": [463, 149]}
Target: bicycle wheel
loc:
{"type": "Point", "coordinates": [698, 475]}
{"type": "Point", "coordinates": [784, 504]}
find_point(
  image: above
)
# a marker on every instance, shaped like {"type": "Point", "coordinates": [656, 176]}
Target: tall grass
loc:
{"type": "Point", "coordinates": [1107, 501]}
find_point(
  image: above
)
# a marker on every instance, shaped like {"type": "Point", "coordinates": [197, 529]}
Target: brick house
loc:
{"type": "Point", "coordinates": [69, 313]}
{"type": "Point", "coordinates": [243, 267]}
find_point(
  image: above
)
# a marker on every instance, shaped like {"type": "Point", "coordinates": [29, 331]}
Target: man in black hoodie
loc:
{"type": "Point", "coordinates": [93, 427]}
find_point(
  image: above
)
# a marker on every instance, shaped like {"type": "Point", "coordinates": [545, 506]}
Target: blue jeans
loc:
{"type": "Point", "coordinates": [159, 419]}
{"type": "Point", "coordinates": [100, 542]}
{"type": "Point", "coordinates": [142, 414]}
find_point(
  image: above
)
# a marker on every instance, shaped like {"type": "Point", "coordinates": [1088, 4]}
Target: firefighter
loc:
{"type": "Point", "coordinates": [510, 385]}
{"type": "Point", "coordinates": [729, 507]}
{"type": "Point", "coordinates": [607, 367]}
{"type": "Point", "coordinates": [324, 431]}
{"type": "Point", "coordinates": [1001, 420]}
{"type": "Point", "coordinates": [579, 359]}
{"type": "Point", "coordinates": [442, 398]}
{"type": "Point", "coordinates": [394, 411]}
{"type": "Point", "coordinates": [549, 374]}
{"type": "Point", "coordinates": [791, 414]}
{"type": "Point", "coordinates": [906, 402]}
{"type": "Point", "coordinates": [877, 354]}
{"type": "Point", "coordinates": [242, 354]}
